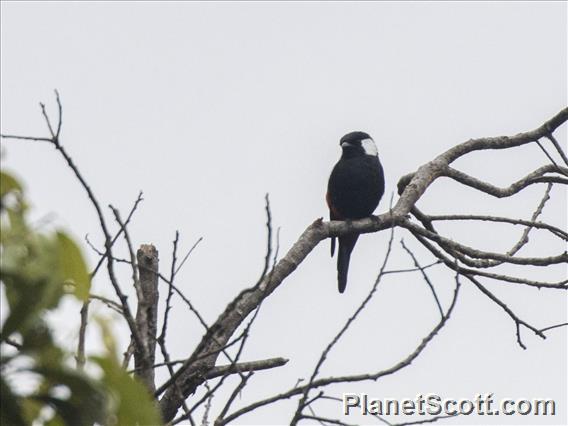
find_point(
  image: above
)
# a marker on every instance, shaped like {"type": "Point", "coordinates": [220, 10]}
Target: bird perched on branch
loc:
{"type": "Point", "coordinates": [354, 190]}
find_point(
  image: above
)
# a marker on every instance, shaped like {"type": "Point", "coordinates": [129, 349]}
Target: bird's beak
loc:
{"type": "Point", "coordinates": [346, 145]}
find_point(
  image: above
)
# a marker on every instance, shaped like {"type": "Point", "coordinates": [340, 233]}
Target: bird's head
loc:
{"type": "Point", "coordinates": [357, 143]}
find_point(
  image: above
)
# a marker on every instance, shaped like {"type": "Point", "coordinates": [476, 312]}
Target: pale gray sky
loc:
{"type": "Point", "coordinates": [208, 106]}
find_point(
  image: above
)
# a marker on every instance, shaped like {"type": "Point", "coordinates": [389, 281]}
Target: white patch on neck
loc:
{"type": "Point", "coordinates": [369, 147]}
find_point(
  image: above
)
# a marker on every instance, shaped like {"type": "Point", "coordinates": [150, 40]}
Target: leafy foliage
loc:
{"type": "Point", "coordinates": [36, 271]}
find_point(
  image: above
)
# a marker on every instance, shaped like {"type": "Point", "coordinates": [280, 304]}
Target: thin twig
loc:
{"type": "Point", "coordinates": [162, 338]}
{"type": "Point", "coordinates": [234, 394]}
{"type": "Point", "coordinates": [13, 343]}
{"type": "Point", "coordinates": [400, 271]}
{"type": "Point", "coordinates": [188, 254]}
{"type": "Point", "coordinates": [55, 141]}
{"type": "Point", "coordinates": [245, 333]}
{"type": "Point", "coordinates": [525, 236]}
{"type": "Point", "coordinates": [425, 276]}
{"type": "Point", "coordinates": [303, 399]}
{"type": "Point", "coordinates": [547, 154]}
{"type": "Point", "coordinates": [552, 139]}
{"type": "Point", "coordinates": [326, 420]}
{"type": "Point", "coordinates": [561, 285]}
{"type": "Point", "coordinates": [515, 318]}
{"type": "Point", "coordinates": [299, 390]}
{"type": "Point", "coordinates": [564, 324]}
{"type": "Point", "coordinates": [540, 225]}
{"type": "Point", "coordinates": [109, 303]}
{"type": "Point", "coordinates": [80, 357]}
{"type": "Point", "coordinates": [430, 420]}
{"type": "Point", "coordinates": [117, 235]}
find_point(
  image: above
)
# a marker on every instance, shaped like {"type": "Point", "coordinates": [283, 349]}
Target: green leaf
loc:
{"type": "Point", "coordinates": [55, 421]}
{"type": "Point", "coordinates": [11, 412]}
{"type": "Point", "coordinates": [72, 265]}
{"type": "Point", "coordinates": [108, 338]}
{"type": "Point", "coordinates": [87, 401]}
{"type": "Point", "coordinates": [8, 184]}
{"type": "Point", "coordinates": [31, 409]}
{"type": "Point", "coordinates": [132, 402]}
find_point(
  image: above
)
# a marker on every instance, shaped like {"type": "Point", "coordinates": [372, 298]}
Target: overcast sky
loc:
{"type": "Point", "coordinates": [208, 106]}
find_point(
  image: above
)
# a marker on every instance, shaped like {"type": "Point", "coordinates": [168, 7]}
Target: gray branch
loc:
{"type": "Point", "coordinates": [147, 313]}
{"type": "Point", "coordinates": [411, 187]}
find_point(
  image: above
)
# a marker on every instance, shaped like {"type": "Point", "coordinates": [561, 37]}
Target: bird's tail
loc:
{"type": "Point", "coordinates": [346, 244]}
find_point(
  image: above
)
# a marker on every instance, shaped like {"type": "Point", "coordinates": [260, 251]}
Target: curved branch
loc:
{"type": "Point", "coordinates": [484, 218]}
{"type": "Point", "coordinates": [411, 188]}
{"type": "Point", "coordinates": [515, 318]}
{"type": "Point", "coordinates": [420, 180]}
{"type": "Point", "coordinates": [55, 141]}
{"type": "Point", "coordinates": [460, 250]}
{"type": "Point", "coordinates": [354, 378]}
{"type": "Point", "coordinates": [532, 178]}
{"type": "Point", "coordinates": [562, 285]}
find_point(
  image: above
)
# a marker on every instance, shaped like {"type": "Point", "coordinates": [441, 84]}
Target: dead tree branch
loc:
{"type": "Point", "coordinates": [147, 313]}
{"type": "Point", "coordinates": [457, 256]}
{"type": "Point", "coordinates": [302, 403]}
{"type": "Point", "coordinates": [299, 390]}
{"type": "Point", "coordinates": [55, 141]}
{"type": "Point", "coordinates": [411, 189]}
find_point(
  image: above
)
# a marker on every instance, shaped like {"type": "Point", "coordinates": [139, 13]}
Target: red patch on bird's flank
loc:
{"type": "Point", "coordinates": [333, 213]}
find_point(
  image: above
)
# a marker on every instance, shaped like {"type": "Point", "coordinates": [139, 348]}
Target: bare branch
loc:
{"type": "Point", "coordinates": [13, 343]}
{"type": "Point", "coordinates": [60, 110]}
{"type": "Point", "coordinates": [80, 357]}
{"type": "Point", "coordinates": [162, 338]}
{"type": "Point", "coordinates": [147, 313]}
{"type": "Point", "coordinates": [540, 225]}
{"type": "Point", "coordinates": [411, 187]}
{"type": "Point", "coordinates": [234, 394]}
{"type": "Point", "coordinates": [134, 266]}
{"type": "Point", "coordinates": [564, 324]}
{"type": "Point", "coordinates": [204, 421]}
{"type": "Point", "coordinates": [109, 303]}
{"type": "Point", "coordinates": [128, 354]}
{"type": "Point", "coordinates": [538, 176]}
{"type": "Point", "coordinates": [430, 420]}
{"type": "Point", "coordinates": [552, 139]}
{"type": "Point", "coordinates": [55, 141]}
{"type": "Point", "coordinates": [562, 285]}
{"type": "Point", "coordinates": [146, 286]}
{"type": "Point", "coordinates": [48, 122]}
{"type": "Point", "coordinates": [193, 247]}
{"type": "Point", "coordinates": [546, 153]}
{"type": "Point", "coordinates": [525, 236]}
{"type": "Point", "coordinates": [302, 402]}
{"type": "Point", "coordinates": [117, 235]}
{"type": "Point", "coordinates": [245, 333]}
{"type": "Point", "coordinates": [354, 378]}
{"type": "Point", "coordinates": [461, 251]}
{"type": "Point", "coordinates": [399, 271]}
{"type": "Point", "coordinates": [518, 321]}
{"type": "Point", "coordinates": [264, 364]}
{"type": "Point", "coordinates": [324, 420]}
{"type": "Point", "coordinates": [27, 138]}
{"type": "Point", "coordinates": [425, 276]}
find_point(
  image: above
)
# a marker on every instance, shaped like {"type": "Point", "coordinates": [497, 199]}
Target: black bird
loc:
{"type": "Point", "coordinates": [354, 190]}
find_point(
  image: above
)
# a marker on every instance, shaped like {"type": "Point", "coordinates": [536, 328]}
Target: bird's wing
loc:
{"type": "Point", "coordinates": [332, 216]}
